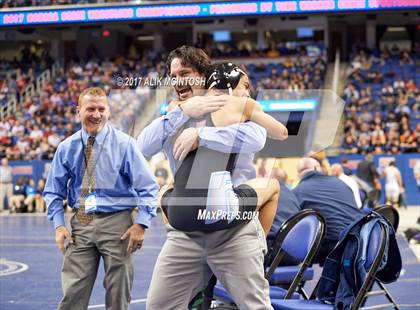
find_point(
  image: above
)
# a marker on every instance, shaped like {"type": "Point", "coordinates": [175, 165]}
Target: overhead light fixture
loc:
{"type": "Point", "coordinates": [145, 38]}
{"type": "Point", "coordinates": [396, 29]}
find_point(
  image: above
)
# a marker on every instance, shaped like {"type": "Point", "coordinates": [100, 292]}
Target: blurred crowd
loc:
{"type": "Point", "coordinates": [49, 117]}
{"type": "Point", "coordinates": [15, 75]}
{"type": "Point", "coordinates": [382, 95]}
{"type": "Point", "coordinates": [246, 50]}
{"type": "Point", "coordinates": [292, 74]}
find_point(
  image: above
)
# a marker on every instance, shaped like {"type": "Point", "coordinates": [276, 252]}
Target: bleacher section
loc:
{"type": "Point", "coordinates": [383, 103]}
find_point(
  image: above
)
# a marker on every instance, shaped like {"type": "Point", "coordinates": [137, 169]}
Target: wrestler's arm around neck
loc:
{"type": "Point", "coordinates": [241, 109]}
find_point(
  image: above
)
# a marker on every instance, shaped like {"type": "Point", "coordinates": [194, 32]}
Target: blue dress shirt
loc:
{"type": "Point", "coordinates": [331, 197]}
{"type": "Point", "coordinates": [244, 138]}
{"type": "Point", "coordinates": [123, 179]}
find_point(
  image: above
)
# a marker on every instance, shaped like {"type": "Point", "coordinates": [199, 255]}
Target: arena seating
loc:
{"type": "Point", "coordinates": [46, 119]}
{"type": "Point", "coordinates": [292, 74]}
{"type": "Point", "coordinates": [224, 50]}
{"type": "Point", "coordinates": [17, 74]}
{"type": "Point", "coordinates": [383, 103]}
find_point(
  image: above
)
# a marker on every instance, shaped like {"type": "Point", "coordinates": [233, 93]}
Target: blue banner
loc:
{"type": "Point", "coordinates": [35, 169]}
{"type": "Point", "coordinates": [404, 162]}
{"type": "Point", "coordinates": [34, 16]}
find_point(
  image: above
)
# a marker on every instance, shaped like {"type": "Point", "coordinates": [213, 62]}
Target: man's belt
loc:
{"type": "Point", "coordinates": [102, 213]}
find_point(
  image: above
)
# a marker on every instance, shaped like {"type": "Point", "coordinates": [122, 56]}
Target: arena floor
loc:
{"type": "Point", "coordinates": [30, 266]}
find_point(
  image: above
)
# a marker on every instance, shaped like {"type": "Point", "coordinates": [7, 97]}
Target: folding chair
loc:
{"type": "Point", "coordinates": [393, 217]}
{"type": "Point", "coordinates": [375, 253]}
{"type": "Point", "coordinates": [306, 226]}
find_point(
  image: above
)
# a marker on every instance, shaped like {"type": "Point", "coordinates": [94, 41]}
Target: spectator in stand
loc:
{"type": "Point", "coordinates": [408, 141]}
{"type": "Point", "coordinates": [30, 192]}
{"type": "Point", "coordinates": [18, 196]}
{"type": "Point", "coordinates": [364, 131]}
{"type": "Point", "coordinates": [349, 146]}
{"type": "Point", "coordinates": [364, 146]}
{"type": "Point", "coordinates": [36, 134]}
{"type": "Point", "coordinates": [273, 52]}
{"type": "Point", "coordinates": [295, 75]}
{"type": "Point", "coordinates": [378, 136]}
{"type": "Point", "coordinates": [366, 116]}
{"type": "Point", "coordinates": [375, 88]}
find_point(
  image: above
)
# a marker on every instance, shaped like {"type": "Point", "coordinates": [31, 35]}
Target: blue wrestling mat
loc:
{"type": "Point", "coordinates": [30, 267]}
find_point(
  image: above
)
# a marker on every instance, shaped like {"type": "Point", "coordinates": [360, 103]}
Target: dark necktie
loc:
{"type": "Point", "coordinates": [88, 182]}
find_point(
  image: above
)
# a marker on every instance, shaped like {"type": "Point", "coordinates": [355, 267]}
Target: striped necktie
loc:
{"type": "Point", "coordinates": [88, 182]}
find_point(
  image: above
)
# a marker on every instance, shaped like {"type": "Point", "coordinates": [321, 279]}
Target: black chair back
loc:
{"type": "Point", "coordinates": [390, 213]}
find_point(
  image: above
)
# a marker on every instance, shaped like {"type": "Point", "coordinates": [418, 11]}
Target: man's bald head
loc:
{"type": "Point", "coordinates": [306, 165]}
{"type": "Point", "coordinates": [336, 170]}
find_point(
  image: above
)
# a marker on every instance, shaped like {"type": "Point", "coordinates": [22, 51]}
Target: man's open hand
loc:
{"type": "Point", "coordinates": [197, 106]}
{"type": "Point", "coordinates": [185, 143]}
{"type": "Point", "coordinates": [62, 234]}
{"type": "Point", "coordinates": [135, 235]}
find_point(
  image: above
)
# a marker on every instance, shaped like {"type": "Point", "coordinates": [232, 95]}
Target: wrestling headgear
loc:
{"type": "Point", "coordinates": [225, 76]}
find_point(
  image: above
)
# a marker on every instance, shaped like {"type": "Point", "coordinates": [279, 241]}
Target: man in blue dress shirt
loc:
{"type": "Point", "coordinates": [104, 177]}
{"type": "Point", "coordinates": [234, 255]}
{"type": "Point", "coordinates": [331, 197]}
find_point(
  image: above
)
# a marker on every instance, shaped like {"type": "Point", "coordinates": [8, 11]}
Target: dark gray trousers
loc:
{"type": "Point", "coordinates": [100, 238]}
{"type": "Point", "coordinates": [187, 260]}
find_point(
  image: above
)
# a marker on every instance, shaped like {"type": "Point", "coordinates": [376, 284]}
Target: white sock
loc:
{"type": "Point", "coordinates": [221, 196]}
